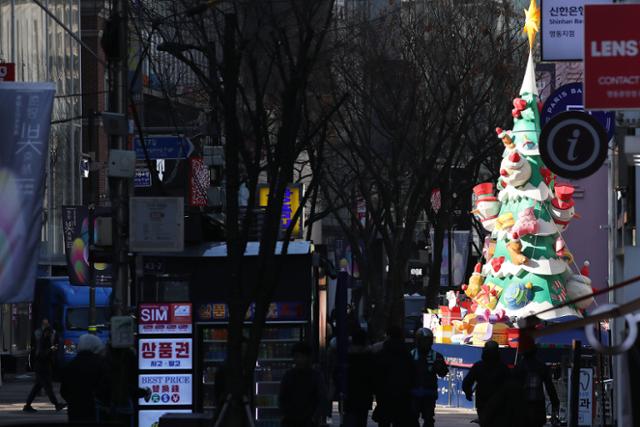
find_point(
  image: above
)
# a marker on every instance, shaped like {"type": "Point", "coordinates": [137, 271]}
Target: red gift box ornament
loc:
{"type": "Point", "coordinates": [547, 176]}
{"type": "Point", "coordinates": [520, 103]}
{"type": "Point", "coordinates": [496, 263]}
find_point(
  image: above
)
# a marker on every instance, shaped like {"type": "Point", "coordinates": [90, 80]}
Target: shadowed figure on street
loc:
{"type": "Point", "coordinates": [360, 371]}
{"type": "Point", "coordinates": [428, 365]}
{"type": "Point", "coordinates": [488, 375]}
{"type": "Point", "coordinates": [533, 374]}
{"type": "Point", "coordinates": [82, 379]}
{"type": "Point", "coordinates": [43, 362]}
{"type": "Point", "coordinates": [394, 379]}
{"type": "Point", "coordinates": [302, 398]}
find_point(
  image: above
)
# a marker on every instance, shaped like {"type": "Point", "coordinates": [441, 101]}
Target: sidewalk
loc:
{"type": "Point", "coordinates": [13, 394]}
{"type": "Point", "coordinates": [445, 417]}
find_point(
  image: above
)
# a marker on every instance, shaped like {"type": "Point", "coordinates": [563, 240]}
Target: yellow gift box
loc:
{"type": "Point", "coordinates": [443, 333]}
{"type": "Point", "coordinates": [486, 331]}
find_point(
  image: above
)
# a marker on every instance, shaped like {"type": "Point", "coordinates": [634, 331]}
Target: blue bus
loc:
{"type": "Point", "coordinates": [67, 308]}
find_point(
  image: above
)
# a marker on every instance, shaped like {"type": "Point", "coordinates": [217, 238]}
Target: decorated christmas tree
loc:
{"type": "Point", "coordinates": [527, 266]}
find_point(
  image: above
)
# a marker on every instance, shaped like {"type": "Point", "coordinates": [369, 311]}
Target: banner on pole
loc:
{"type": "Point", "coordinates": [75, 226]}
{"type": "Point", "coordinates": [25, 115]}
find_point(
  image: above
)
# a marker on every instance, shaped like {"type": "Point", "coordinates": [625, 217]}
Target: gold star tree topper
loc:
{"type": "Point", "coordinates": [531, 22]}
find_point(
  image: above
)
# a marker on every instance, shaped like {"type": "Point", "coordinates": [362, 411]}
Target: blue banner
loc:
{"type": "Point", "coordinates": [25, 116]}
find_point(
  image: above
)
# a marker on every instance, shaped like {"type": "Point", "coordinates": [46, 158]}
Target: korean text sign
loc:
{"type": "Point", "coordinates": [25, 116]}
{"type": "Point", "coordinates": [562, 27]}
{"type": "Point", "coordinates": [169, 318]}
{"type": "Point", "coordinates": [612, 57]}
{"type": "Point", "coordinates": [165, 353]}
{"type": "Point", "coordinates": [167, 389]}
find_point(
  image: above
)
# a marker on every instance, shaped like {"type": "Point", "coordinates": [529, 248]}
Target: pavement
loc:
{"type": "Point", "coordinates": [14, 391]}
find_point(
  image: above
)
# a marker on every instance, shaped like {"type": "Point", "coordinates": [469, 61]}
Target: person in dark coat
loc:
{"type": "Point", "coordinates": [43, 365]}
{"type": "Point", "coordinates": [488, 375]}
{"type": "Point", "coordinates": [118, 396]}
{"type": "Point", "coordinates": [82, 379]}
{"type": "Point", "coordinates": [302, 398]}
{"type": "Point", "coordinates": [533, 375]}
{"type": "Point", "coordinates": [360, 369]}
{"type": "Point", "coordinates": [428, 365]}
{"type": "Point", "coordinates": [394, 379]}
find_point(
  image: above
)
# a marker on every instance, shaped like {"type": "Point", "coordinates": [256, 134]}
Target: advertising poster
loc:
{"type": "Point", "coordinates": [25, 116]}
{"type": "Point", "coordinates": [165, 353]}
{"type": "Point", "coordinates": [611, 52]}
{"type": "Point", "coordinates": [168, 318]}
{"type": "Point", "coordinates": [167, 389]}
{"type": "Point", "coordinates": [75, 223]}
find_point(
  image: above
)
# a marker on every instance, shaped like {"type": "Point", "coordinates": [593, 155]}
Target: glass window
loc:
{"type": "Point", "coordinates": [78, 318]}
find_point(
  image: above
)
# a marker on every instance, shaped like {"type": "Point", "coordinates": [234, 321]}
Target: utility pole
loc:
{"type": "Point", "coordinates": [120, 188]}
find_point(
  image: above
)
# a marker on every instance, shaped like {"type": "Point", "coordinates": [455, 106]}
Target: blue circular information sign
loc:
{"type": "Point", "coordinates": [569, 98]}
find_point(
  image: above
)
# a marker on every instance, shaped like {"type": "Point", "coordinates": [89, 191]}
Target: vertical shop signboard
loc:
{"type": "Point", "coordinates": [165, 360]}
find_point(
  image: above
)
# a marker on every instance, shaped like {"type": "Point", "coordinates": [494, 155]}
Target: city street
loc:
{"type": "Point", "coordinates": [14, 391]}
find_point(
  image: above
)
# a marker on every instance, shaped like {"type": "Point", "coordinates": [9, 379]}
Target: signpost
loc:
{"type": "Point", "coordinates": [159, 354]}
{"type": "Point", "coordinates": [611, 56]}
{"type": "Point", "coordinates": [163, 147]}
{"type": "Point", "coordinates": [573, 145]}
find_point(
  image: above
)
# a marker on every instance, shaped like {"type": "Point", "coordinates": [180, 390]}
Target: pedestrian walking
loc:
{"type": "Point", "coordinates": [488, 375]}
{"type": "Point", "coordinates": [117, 401]}
{"type": "Point", "coordinates": [43, 360]}
{"type": "Point", "coordinates": [302, 398]}
{"type": "Point", "coordinates": [82, 379]}
{"type": "Point", "coordinates": [533, 375]}
{"type": "Point", "coordinates": [360, 370]}
{"type": "Point", "coordinates": [428, 365]}
{"type": "Point", "coordinates": [393, 381]}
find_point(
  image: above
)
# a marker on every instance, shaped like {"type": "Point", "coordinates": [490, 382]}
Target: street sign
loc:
{"type": "Point", "coordinates": [569, 98]}
{"type": "Point", "coordinates": [611, 51]}
{"type": "Point", "coordinates": [142, 178]}
{"type": "Point", "coordinates": [573, 145]}
{"type": "Point", "coordinates": [8, 72]}
{"type": "Point", "coordinates": [156, 224]}
{"type": "Point", "coordinates": [163, 147]}
{"type": "Point", "coordinates": [561, 29]}
{"type": "Point", "coordinates": [585, 396]}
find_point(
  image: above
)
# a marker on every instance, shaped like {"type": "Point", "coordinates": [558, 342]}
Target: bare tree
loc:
{"type": "Point", "coordinates": [255, 62]}
{"type": "Point", "coordinates": [425, 86]}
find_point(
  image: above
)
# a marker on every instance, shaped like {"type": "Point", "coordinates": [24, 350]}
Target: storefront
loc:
{"type": "Point", "coordinates": [201, 277]}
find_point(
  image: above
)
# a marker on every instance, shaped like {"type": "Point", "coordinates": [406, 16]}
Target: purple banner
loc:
{"type": "Point", "coordinates": [25, 115]}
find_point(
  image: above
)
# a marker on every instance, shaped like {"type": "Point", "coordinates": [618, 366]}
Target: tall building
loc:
{"type": "Point", "coordinates": [43, 51]}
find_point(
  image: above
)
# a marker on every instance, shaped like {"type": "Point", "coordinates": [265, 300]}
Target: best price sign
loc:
{"type": "Point", "coordinates": [165, 353]}
{"type": "Point", "coordinates": [167, 389]}
{"type": "Point", "coordinates": [611, 56]}
{"type": "Point", "coordinates": [173, 318]}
